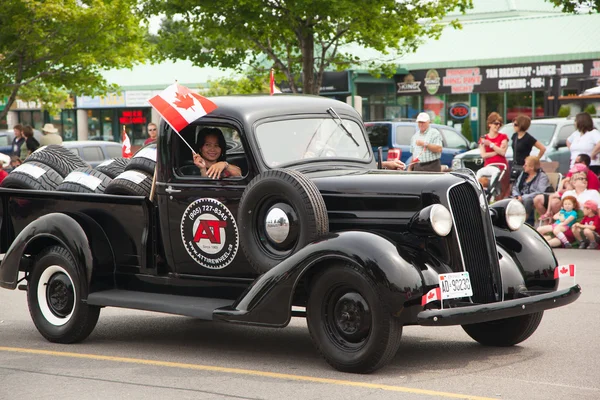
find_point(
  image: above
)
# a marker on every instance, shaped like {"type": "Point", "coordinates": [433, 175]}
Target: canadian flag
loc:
{"type": "Point", "coordinates": [564, 270]}
{"type": "Point", "coordinates": [274, 89]}
{"type": "Point", "coordinates": [179, 106]}
{"type": "Point", "coordinates": [433, 294]}
{"type": "Point", "coordinates": [126, 149]}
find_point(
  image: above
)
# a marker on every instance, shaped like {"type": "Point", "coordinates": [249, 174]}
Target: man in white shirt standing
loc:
{"type": "Point", "coordinates": [50, 135]}
{"type": "Point", "coordinates": [426, 146]}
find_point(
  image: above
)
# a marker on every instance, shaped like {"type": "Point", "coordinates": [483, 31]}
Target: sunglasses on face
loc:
{"type": "Point", "coordinates": [497, 123]}
{"type": "Point", "coordinates": [151, 129]}
{"type": "Point", "coordinates": [515, 124]}
{"type": "Point", "coordinates": [581, 179]}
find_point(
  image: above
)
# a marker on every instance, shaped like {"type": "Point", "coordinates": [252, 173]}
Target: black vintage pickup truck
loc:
{"type": "Point", "coordinates": [312, 228]}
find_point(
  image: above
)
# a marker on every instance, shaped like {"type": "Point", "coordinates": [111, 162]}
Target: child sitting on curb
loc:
{"type": "Point", "coordinates": [588, 226]}
{"type": "Point", "coordinates": [565, 218]}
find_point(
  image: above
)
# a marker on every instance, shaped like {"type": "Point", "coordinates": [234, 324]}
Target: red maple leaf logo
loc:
{"type": "Point", "coordinates": [431, 295]}
{"type": "Point", "coordinates": [184, 101]}
{"type": "Point", "coordinates": [564, 270]}
{"type": "Point", "coordinates": [442, 278]}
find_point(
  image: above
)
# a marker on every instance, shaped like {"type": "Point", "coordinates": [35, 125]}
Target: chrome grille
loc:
{"type": "Point", "coordinates": [483, 267]}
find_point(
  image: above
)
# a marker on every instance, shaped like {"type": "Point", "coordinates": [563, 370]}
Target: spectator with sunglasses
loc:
{"type": "Point", "coordinates": [492, 148]}
{"type": "Point", "coordinates": [152, 133]}
{"type": "Point", "coordinates": [522, 144]}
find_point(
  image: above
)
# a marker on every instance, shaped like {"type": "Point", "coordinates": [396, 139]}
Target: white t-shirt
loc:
{"type": "Point", "coordinates": [584, 144]}
{"type": "Point", "coordinates": [586, 195]}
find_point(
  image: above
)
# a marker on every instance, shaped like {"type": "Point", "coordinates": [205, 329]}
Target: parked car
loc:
{"type": "Point", "coordinates": [552, 132]}
{"type": "Point", "coordinates": [310, 229]}
{"type": "Point", "coordinates": [397, 134]}
{"type": "Point", "coordinates": [94, 152]}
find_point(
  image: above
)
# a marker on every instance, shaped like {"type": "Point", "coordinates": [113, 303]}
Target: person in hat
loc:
{"type": "Point", "coordinates": [50, 135]}
{"type": "Point", "coordinates": [586, 231]}
{"type": "Point", "coordinates": [426, 146]}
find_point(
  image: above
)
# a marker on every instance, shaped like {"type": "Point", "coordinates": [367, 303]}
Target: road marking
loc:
{"type": "Point", "coordinates": [250, 372]}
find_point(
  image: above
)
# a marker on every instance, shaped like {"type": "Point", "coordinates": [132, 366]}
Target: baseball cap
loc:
{"type": "Point", "coordinates": [592, 205]}
{"type": "Point", "coordinates": [578, 168]}
{"type": "Point", "coordinates": [423, 117]}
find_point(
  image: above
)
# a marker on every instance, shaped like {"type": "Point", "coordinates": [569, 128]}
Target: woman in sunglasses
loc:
{"type": "Point", "coordinates": [522, 144]}
{"type": "Point", "coordinates": [492, 148]}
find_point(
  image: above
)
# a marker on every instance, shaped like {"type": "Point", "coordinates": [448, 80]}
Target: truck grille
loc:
{"type": "Point", "coordinates": [479, 257]}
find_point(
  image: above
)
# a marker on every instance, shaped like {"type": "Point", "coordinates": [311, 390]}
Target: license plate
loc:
{"type": "Point", "coordinates": [455, 285]}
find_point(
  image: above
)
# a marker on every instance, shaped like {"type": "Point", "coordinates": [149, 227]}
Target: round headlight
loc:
{"type": "Point", "coordinates": [515, 215]}
{"type": "Point", "coordinates": [456, 163]}
{"type": "Point", "coordinates": [441, 220]}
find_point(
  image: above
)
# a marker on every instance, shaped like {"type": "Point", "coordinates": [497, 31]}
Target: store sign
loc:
{"type": "Point", "coordinates": [27, 105]}
{"type": "Point", "coordinates": [518, 77]}
{"type": "Point", "coordinates": [459, 111]}
{"type": "Point", "coordinates": [132, 117]}
{"type": "Point", "coordinates": [107, 101]}
{"type": "Point", "coordinates": [333, 82]}
{"type": "Point", "coordinates": [139, 98]}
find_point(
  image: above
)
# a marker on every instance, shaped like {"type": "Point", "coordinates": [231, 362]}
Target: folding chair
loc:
{"type": "Point", "coordinates": [554, 178]}
{"type": "Point", "coordinates": [494, 174]}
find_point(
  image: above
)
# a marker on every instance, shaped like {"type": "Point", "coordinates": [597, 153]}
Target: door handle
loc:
{"type": "Point", "coordinates": [170, 190]}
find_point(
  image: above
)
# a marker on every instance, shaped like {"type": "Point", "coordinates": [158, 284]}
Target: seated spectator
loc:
{"type": "Point", "coordinates": [581, 191]}
{"type": "Point", "coordinates": [586, 231]}
{"type": "Point", "coordinates": [582, 164]}
{"type": "Point", "coordinates": [531, 182]}
{"type": "Point", "coordinates": [564, 219]}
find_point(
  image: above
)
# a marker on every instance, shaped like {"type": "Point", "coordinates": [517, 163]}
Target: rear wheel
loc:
{"type": "Point", "coordinates": [505, 332]}
{"type": "Point", "coordinates": [54, 295]}
{"type": "Point", "coordinates": [349, 323]}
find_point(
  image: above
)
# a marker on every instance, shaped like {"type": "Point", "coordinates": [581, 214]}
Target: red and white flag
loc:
{"type": "Point", "coordinates": [564, 270]}
{"type": "Point", "coordinates": [126, 149]}
{"type": "Point", "coordinates": [433, 294]}
{"type": "Point", "coordinates": [179, 106]}
{"type": "Point", "coordinates": [274, 89]}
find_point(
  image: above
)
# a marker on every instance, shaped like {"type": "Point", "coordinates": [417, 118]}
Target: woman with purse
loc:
{"type": "Point", "coordinates": [522, 144]}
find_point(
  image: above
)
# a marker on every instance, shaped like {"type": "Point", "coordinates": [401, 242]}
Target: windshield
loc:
{"type": "Point", "coordinates": [293, 140]}
{"type": "Point", "coordinates": [542, 132]}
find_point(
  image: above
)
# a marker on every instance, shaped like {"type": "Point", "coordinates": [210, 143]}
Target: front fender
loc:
{"type": "Point", "coordinates": [268, 300]}
{"type": "Point", "coordinates": [50, 229]}
{"type": "Point", "coordinates": [531, 255]}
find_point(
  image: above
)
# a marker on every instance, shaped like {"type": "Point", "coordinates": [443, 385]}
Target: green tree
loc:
{"type": "Point", "coordinates": [244, 85]}
{"type": "Point", "coordinates": [49, 48]}
{"type": "Point", "coordinates": [296, 37]}
{"type": "Point", "coordinates": [575, 6]}
{"type": "Point", "coordinates": [590, 109]}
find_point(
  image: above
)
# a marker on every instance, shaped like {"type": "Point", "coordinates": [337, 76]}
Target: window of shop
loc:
{"type": "Point", "coordinates": [519, 103]}
{"type": "Point", "coordinates": [108, 130]}
{"type": "Point", "coordinates": [539, 104]}
{"type": "Point", "coordinates": [65, 123]}
{"type": "Point", "coordinates": [434, 105]}
{"type": "Point", "coordinates": [410, 106]}
{"type": "Point", "coordinates": [490, 102]}
{"type": "Point", "coordinates": [135, 121]}
{"type": "Point", "coordinates": [94, 126]}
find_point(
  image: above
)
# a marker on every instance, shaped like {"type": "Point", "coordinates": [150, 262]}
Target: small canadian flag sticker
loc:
{"type": "Point", "coordinates": [564, 270]}
{"type": "Point", "coordinates": [433, 294]}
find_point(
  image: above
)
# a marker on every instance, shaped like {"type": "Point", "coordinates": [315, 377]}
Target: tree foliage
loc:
{"type": "Point", "coordinates": [295, 37]}
{"type": "Point", "coordinates": [49, 48]}
{"type": "Point", "coordinates": [576, 6]}
{"type": "Point", "coordinates": [229, 86]}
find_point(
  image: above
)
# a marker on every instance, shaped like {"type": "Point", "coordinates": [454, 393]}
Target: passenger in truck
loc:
{"type": "Point", "coordinates": [211, 157]}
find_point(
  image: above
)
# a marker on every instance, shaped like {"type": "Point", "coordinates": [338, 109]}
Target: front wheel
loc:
{"type": "Point", "coordinates": [54, 296]}
{"type": "Point", "coordinates": [349, 323]}
{"type": "Point", "coordinates": [505, 332]}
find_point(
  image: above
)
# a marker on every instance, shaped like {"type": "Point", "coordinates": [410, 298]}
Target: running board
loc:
{"type": "Point", "coordinates": [197, 307]}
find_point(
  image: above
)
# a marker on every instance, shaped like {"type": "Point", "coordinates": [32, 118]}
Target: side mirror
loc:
{"type": "Point", "coordinates": [473, 145]}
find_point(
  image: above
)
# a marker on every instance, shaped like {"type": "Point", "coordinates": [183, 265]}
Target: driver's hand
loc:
{"type": "Point", "coordinates": [215, 170]}
{"type": "Point", "coordinates": [199, 161]}
{"type": "Point", "coordinates": [395, 164]}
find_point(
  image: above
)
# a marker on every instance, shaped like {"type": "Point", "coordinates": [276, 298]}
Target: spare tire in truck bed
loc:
{"type": "Point", "coordinates": [57, 157]}
{"type": "Point", "coordinates": [113, 167]}
{"type": "Point", "coordinates": [131, 183]}
{"type": "Point", "coordinates": [34, 176]}
{"type": "Point", "coordinates": [84, 180]}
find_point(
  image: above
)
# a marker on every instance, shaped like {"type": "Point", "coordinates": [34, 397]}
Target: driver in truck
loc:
{"type": "Point", "coordinates": [211, 157]}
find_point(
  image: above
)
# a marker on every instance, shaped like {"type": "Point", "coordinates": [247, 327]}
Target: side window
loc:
{"type": "Point", "coordinates": [113, 151]}
{"type": "Point", "coordinates": [453, 140]}
{"type": "Point", "coordinates": [194, 135]}
{"type": "Point", "coordinates": [378, 134]}
{"type": "Point", "coordinates": [92, 153]}
{"type": "Point", "coordinates": [565, 132]}
{"type": "Point", "coordinates": [75, 151]}
{"type": "Point", "coordinates": [404, 134]}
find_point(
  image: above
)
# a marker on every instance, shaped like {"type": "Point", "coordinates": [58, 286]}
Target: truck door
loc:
{"type": "Point", "coordinates": [202, 212]}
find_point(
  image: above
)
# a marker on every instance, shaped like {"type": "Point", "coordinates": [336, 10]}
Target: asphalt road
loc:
{"type": "Point", "coordinates": [142, 355]}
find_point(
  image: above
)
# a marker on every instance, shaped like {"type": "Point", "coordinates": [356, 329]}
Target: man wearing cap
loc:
{"type": "Point", "coordinates": [50, 136]}
{"type": "Point", "coordinates": [426, 146]}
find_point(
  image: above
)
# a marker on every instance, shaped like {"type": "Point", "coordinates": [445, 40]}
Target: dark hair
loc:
{"type": "Point", "coordinates": [523, 122]}
{"type": "Point", "coordinates": [28, 131]}
{"type": "Point", "coordinates": [18, 127]}
{"type": "Point", "coordinates": [585, 159]}
{"type": "Point", "coordinates": [205, 132]}
{"type": "Point", "coordinates": [583, 122]}
{"type": "Point", "coordinates": [14, 159]}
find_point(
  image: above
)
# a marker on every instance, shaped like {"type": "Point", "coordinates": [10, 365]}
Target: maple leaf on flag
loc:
{"type": "Point", "coordinates": [431, 295]}
{"type": "Point", "coordinates": [564, 270]}
{"type": "Point", "coordinates": [184, 101]}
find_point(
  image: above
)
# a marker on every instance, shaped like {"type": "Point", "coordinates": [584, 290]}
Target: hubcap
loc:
{"type": "Point", "coordinates": [60, 295]}
{"type": "Point", "coordinates": [351, 318]}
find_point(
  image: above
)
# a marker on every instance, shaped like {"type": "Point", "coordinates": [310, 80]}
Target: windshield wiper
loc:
{"type": "Point", "coordinates": [334, 115]}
